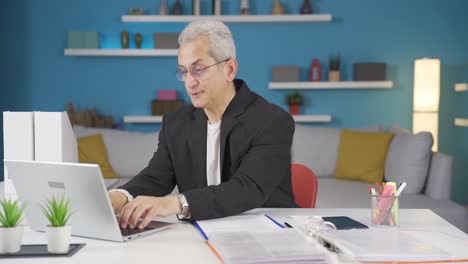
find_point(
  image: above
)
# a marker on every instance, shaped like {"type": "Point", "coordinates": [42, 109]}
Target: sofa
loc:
{"type": "Point", "coordinates": [409, 159]}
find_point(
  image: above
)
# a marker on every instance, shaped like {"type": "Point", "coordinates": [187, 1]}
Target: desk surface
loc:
{"type": "Point", "coordinates": [183, 244]}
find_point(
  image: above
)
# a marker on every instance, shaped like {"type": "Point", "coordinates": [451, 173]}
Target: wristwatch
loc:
{"type": "Point", "coordinates": [185, 212]}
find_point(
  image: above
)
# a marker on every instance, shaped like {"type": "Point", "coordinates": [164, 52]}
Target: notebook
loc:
{"type": "Point", "coordinates": [257, 239]}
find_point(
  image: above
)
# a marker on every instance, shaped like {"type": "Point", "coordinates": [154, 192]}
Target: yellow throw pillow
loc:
{"type": "Point", "coordinates": [361, 156]}
{"type": "Point", "coordinates": [91, 149]}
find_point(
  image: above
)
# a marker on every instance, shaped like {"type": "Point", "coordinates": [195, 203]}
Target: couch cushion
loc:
{"type": "Point", "coordinates": [91, 149]}
{"type": "Point", "coordinates": [362, 155]}
{"type": "Point", "coordinates": [129, 152]}
{"type": "Point", "coordinates": [408, 160]}
{"type": "Point", "coordinates": [316, 148]}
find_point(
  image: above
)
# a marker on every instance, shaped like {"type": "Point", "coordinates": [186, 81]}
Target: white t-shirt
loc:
{"type": "Point", "coordinates": [213, 170]}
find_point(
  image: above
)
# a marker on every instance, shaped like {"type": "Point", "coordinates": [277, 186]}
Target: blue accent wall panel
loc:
{"type": "Point", "coordinates": [40, 77]}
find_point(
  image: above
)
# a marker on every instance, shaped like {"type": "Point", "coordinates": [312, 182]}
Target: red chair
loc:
{"type": "Point", "coordinates": [304, 185]}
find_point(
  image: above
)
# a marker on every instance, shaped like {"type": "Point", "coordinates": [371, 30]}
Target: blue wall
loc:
{"type": "Point", "coordinates": [395, 32]}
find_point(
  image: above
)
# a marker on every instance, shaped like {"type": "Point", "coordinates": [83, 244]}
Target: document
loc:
{"type": "Point", "coordinates": [258, 239]}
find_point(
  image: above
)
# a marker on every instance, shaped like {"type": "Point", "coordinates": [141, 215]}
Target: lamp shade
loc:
{"type": "Point", "coordinates": [426, 85]}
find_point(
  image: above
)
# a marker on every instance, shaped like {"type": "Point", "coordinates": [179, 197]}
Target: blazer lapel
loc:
{"type": "Point", "coordinates": [197, 143]}
{"type": "Point", "coordinates": [235, 108]}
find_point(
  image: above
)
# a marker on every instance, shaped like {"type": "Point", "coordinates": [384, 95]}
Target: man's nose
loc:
{"type": "Point", "coordinates": [190, 80]}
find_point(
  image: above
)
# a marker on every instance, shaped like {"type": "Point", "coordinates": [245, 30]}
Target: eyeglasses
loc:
{"type": "Point", "coordinates": [196, 70]}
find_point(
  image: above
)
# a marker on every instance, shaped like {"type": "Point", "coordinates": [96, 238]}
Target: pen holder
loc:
{"type": "Point", "coordinates": [384, 210]}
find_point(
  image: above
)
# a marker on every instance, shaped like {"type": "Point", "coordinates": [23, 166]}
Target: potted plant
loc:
{"type": "Point", "coordinates": [10, 231]}
{"type": "Point", "coordinates": [58, 212]}
{"type": "Point", "coordinates": [294, 101]}
{"type": "Point", "coordinates": [334, 69]}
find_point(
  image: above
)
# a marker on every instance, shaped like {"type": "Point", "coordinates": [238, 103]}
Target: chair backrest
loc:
{"type": "Point", "coordinates": [304, 185]}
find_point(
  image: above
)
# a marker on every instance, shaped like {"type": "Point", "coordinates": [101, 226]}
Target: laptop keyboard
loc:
{"type": "Point", "coordinates": [129, 232]}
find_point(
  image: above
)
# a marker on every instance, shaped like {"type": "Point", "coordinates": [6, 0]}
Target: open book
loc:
{"type": "Point", "coordinates": [258, 239]}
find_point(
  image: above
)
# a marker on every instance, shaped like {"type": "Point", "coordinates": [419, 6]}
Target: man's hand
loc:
{"type": "Point", "coordinates": [118, 200]}
{"type": "Point", "coordinates": [147, 207]}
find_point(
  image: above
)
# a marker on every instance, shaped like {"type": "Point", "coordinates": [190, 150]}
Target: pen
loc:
{"type": "Point", "coordinates": [288, 225]}
{"type": "Point", "coordinates": [402, 187]}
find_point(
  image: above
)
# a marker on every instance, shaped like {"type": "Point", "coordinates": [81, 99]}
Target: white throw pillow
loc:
{"type": "Point", "coordinates": [129, 152]}
{"type": "Point", "coordinates": [408, 160]}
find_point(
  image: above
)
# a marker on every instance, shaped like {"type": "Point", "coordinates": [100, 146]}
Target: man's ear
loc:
{"type": "Point", "coordinates": [231, 69]}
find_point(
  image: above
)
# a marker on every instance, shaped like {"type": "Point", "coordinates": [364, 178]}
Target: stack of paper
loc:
{"type": "Point", "coordinates": [257, 239]}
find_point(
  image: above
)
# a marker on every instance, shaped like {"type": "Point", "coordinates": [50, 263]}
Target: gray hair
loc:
{"type": "Point", "coordinates": [219, 35]}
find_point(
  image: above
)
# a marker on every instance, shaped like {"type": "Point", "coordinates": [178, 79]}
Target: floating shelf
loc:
{"type": "Point", "coordinates": [120, 52]}
{"type": "Point", "coordinates": [331, 85]}
{"type": "Point", "coordinates": [461, 122]}
{"type": "Point", "coordinates": [142, 119]}
{"type": "Point", "coordinates": [461, 87]}
{"type": "Point", "coordinates": [312, 118]}
{"type": "Point", "coordinates": [231, 18]}
{"type": "Point", "coordinates": [297, 118]}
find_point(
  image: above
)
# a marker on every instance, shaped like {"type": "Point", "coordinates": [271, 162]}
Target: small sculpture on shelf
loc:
{"type": "Point", "coordinates": [294, 101]}
{"type": "Point", "coordinates": [136, 11]}
{"type": "Point", "coordinates": [124, 39]}
{"type": "Point", "coordinates": [216, 7]}
{"type": "Point", "coordinates": [196, 7]}
{"type": "Point", "coordinates": [306, 7]}
{"type": "Point", "coordinates": [244, 7]}
{"type": "Point", "coordinates": [162, 8]}
{"type": "Point", "coordinates": [315, 72]}
{"type": "Point", "coordinates": [177, 9]}
{"type": "Point", "coordinates": [278, 8]}
{"type": "Point", "coordinates": [138, 40]}
{"type": "Point", "coordinates": [334, 69]}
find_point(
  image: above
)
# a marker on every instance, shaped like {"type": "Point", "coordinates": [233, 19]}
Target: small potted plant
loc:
{"type": "Point", "coordinates": [11, 232]}
{"type": "Point", "coordinates": [294, 101]}
{"type": "Point", "coordinates": [58, 212]}
{"type": "Point", "coordinates": [334, 69]}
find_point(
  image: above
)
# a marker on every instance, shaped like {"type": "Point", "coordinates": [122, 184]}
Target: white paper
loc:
{"type": "Point", "coordinates": [283, 246]}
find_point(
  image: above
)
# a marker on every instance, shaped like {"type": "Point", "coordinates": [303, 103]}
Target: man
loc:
{"type": "Point", "coordinates": [228, 152]}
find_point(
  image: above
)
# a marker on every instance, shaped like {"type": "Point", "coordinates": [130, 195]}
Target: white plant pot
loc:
{"type": "Point", "coordinates": [58, 239]}
{"type": "Point", "coordinates": [10, 239]}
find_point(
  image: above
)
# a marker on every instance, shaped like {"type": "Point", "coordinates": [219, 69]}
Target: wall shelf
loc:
{"type": "Point", "coordinates": [231, 18]}
{"type": "Point", "coordinates": [158, 119]}
{"type": "Point", "coordinates": [331, 85]}
{"type": "Point", "coordinates": [461, 122]}
{"type": "Point", "coordinates": [120, 52]}
{"type": "Point", "coordinates": [461, 87]}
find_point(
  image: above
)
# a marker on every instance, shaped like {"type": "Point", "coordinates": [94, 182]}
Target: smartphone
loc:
{"type": "Point", "coordinates": [344, 222]}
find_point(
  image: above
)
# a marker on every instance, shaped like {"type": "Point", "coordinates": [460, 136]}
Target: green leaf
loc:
{"type": "Point", "coordinates": [57, 211]}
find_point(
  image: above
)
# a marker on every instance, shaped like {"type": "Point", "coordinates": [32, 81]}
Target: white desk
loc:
{"type": "Point", "coordinates": [183, 243]}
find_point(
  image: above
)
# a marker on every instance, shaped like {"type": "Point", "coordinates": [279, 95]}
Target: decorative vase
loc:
{"type": "Point", "coordinates": [58, 239]}
{"type": "Point", "coordinates": [244, 7]}
{"type": "Point", "coordinates": [315, 71]}
{"type": "Point", "coordinates": [294, 109]}
{"type": "Point", "coordinates": [334, 76]}
{"type": "Point", "coordinates": [124, 39]}
{"type": "Point", "coordinates": [10, 239]}
{"type": "Point", "coordinates": [138, 40]}
{"type": "Point", "coordinates": [162, 8]}
{"type": "Point", "coordinates": [306, 7]}
{"type": "Point", "coordinates": [177, 9]}
{"type": "Point", "coordinates": [278, 8]}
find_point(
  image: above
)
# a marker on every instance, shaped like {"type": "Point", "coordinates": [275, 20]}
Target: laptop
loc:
{"type": "Point", "coordinates": [83, 185]}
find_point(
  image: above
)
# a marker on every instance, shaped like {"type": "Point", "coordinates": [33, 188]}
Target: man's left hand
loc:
{"type": "Point", "coordinates": [148, 207]}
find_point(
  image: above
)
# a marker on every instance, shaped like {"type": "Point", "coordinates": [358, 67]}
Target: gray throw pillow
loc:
{"type": "Point", "coordinates": [408, 160]}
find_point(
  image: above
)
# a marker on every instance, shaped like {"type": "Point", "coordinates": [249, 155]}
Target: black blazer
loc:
{"type": "Point", "coordinates": [255, 158]}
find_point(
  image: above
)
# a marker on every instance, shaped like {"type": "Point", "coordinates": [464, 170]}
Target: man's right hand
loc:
{"type": "Point", "coordinates": [118, 200]}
